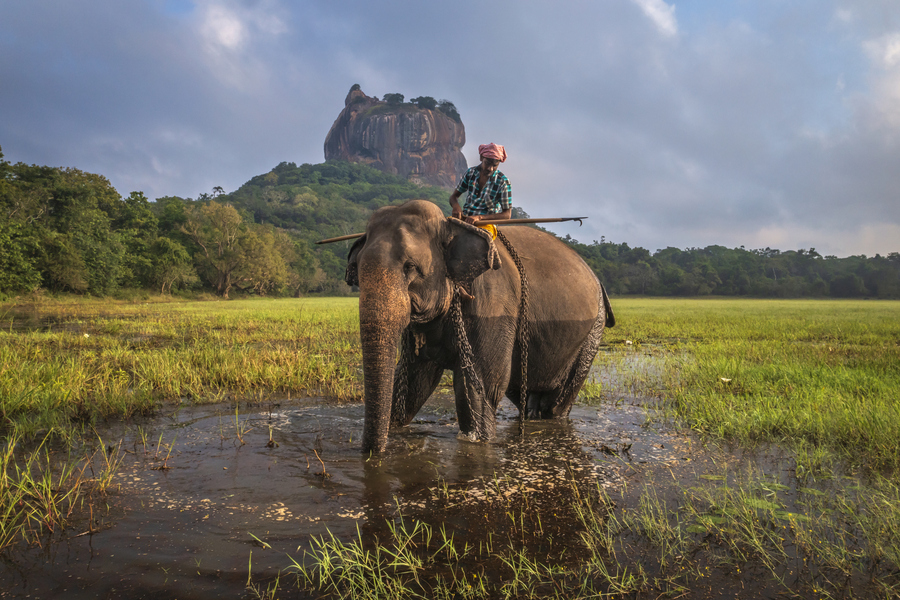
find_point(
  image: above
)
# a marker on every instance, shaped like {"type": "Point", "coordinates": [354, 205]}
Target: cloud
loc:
{"type": "Point", "coordinates": [222, 28]}
{"type": "Point", "coordinates": [885, 50]}
{"type": "Point", "coordinates": [662, 15]}
{"type": "Point", "coordinates": [728, 125]}
{"type": "Point", "coordinates": [234, 38]}
{"type": "Point", "coordinates": [881, 108]}
{"type": "Point", "coordinates": [867, 239]}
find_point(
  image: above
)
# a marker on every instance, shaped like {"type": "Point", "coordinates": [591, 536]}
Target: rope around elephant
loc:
{"type": "Point", "coordinates": [523, 335]}
{"type": "Point", "coordinates": [464, 348]}
{"type": "Point", "coordinates": [523, 329]}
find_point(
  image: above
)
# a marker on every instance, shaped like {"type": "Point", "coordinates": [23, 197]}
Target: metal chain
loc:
{"type": "Point", "coordinates": [523, 329]}
{"type": "Point", "coordinates": [467, 362]}
{"type": "Point", "coordinates": [465, 353]}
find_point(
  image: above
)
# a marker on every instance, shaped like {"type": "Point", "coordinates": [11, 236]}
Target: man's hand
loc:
{"type": "Point", "coordinates": [455, 208]}
{"type": "Point", "coordinates": [472, 219]}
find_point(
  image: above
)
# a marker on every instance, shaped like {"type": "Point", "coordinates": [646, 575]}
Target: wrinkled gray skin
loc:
{"type": "Point", "coordinates": [407, 267]}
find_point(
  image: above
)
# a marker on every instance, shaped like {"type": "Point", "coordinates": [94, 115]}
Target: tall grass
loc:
{"type": "Point", "coordinates": [727, 530]}
{"type": "Point", "coordinates": [92, 359]}
{"type": "Point", "coordinates": [42, 489]}
{"type": "Point", "coordinates": [815, 373]}
{"type": "Point", "coordinates": [824, 373]}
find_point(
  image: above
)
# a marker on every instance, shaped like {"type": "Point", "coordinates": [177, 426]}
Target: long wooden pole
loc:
{"type": "Point", "coordinates": [353, 236]}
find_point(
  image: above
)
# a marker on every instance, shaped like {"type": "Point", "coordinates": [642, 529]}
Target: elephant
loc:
{"type": "Point", "coordinates": [451, 298]}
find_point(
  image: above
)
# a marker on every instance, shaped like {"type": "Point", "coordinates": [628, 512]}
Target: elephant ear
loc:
{"type": "Point", "coordinates": [351, 275]}
{"type": "Point", "coordinates": [470, 251]}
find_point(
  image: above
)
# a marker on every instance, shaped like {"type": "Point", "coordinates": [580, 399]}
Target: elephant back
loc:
{"type": "Point", "coordinates": [561, 284]}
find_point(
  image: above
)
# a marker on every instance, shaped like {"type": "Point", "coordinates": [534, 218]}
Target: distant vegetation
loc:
{"type": "Point", "coordinates": [65, 230]}
{"type": "Point", "coordinates": [764, 273]}
{"type": "Point", "coordinates": [427, 102]}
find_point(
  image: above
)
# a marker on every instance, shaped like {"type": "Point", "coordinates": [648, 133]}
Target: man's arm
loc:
{"type": "Point", "coordinates": [506, 214]}
{"type": "Point", "coordinates": [454, 204]}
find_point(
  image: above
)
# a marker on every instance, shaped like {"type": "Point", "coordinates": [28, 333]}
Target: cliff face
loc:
{"type": "Point", "coordinates": [417, 143]}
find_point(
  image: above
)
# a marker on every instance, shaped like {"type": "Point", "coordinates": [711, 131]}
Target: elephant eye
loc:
{"type": "Point", "coordinates": [411, 269]}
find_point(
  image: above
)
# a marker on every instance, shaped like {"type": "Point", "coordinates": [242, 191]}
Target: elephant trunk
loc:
{"type": "Point", "coordinates": [384, 310]}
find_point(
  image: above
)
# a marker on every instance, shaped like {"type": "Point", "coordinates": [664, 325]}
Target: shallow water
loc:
{"type": "Point", "coordinates": [184, 518]}
{"type": "Point", "coordinates": [206, 498]}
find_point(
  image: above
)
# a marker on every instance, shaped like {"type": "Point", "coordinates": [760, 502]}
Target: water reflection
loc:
{"type": "Point", "coordinates": [193, 499]}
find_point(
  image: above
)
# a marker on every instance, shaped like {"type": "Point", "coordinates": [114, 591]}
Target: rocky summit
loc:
{"type": "Point", "coordinates": [406, 139]}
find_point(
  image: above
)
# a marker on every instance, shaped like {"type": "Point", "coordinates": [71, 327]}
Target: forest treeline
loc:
{"type": "Point", "coordinates": [65, 230]}
{"type": "Point", "coordinates": [764, 273]}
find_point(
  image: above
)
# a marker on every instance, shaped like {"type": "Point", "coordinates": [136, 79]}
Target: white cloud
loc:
{"type": "Point", "coordinates": [662, 15]}
{"type": "Point", "coordinates": [880, 238]}
{"type": "Point", "coordinates": [221, 27]}
{"type": "Point", "coordinates": [234, 37]}
{"type": "Point", "coordinates": [881, 107]}
{"type": "Point", "coordinates": [233, 26]}
{"type": "Point", "coordinates": [885, 50]}
{"type": "Point", "coordinates": [844, 15]}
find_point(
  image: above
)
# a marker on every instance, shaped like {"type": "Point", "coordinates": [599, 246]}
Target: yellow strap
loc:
{"type": "Point", "coordinates": [492, 229]}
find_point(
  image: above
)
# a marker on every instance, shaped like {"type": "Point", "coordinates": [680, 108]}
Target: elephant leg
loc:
{"type": "Point", "coordinates": [475, 412]}
{"type": "Point", "coordinates": [415, 379]}
{"type": "Point", "coordinates": [559, 402]}
{"type": "Point", "coordinates": [513, 394]}
{"type": "Point", "coordinates": [535, 403]}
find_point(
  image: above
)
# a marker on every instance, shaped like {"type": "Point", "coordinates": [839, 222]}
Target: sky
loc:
{"type": "Point", "coordinates": [755, 123]}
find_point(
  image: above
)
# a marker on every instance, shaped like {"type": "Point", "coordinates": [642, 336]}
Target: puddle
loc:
{"type": "Point", "coordinates": [186, 513]}
{"type": "Point", "coordinates": [197, 511]}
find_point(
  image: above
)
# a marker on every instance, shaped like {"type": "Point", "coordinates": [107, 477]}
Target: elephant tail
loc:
{"type": "Point", "coordinates": [607, 308]}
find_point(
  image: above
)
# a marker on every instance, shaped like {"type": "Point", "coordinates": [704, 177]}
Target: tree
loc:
{"type": "Point", "coordinates": [393, 98]}
{"type": "Point", "coordinates": [425, 102]}
{"type": "Point", "coordinates": [71, 214]}
{"type": "Point", "coordinates": [4, 165]}
{"type": "Point", "coordinates": [848, 286]}
{"type": "Point", "coordinates": [218, 230]}
{"type": "Point", "coordinates": [62, 267]}
{"type": "Point", "coordinates": [265, 269]}
{"type": "Point", "coordinates": [171, 213]}
{"type": "Point", "coordinates": [171, 265]}
{"type": "Point", "coordinates": [305, 267]}
{"type": "Point", "coordinates": [138, 227]}
{"type": "Point", "coordinates": [18, 268]}
{"type": "Point", "coordinates": [449, 109]}
{"type": "Point", "coordinates": [19, 236]}
{"type": "Point", "coordinates": [641, 277]}
{"type": "Point", "coordinates": [233, 253]}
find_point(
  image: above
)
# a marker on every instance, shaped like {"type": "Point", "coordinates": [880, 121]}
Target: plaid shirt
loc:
{"type": "Point", "coordinates": [494, 197]}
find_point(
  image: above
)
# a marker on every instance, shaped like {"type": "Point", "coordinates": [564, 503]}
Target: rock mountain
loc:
{"type": "Point", "coordinates": [421, 144]}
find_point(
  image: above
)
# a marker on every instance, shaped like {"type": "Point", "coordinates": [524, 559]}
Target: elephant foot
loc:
{"type": "Point", "coordinates": [533, 407]}
{"type": "Point", "coordinates": [467, 437]}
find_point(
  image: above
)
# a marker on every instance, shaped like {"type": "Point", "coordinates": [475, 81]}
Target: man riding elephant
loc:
{"type": "Point", "coordinates": [489, 195]}
{"type": "Point", "coordinates": [530, 331]}
{"type": "Point", "coordinates": [489, 191]}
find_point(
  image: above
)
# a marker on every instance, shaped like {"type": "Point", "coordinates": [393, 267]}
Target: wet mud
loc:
{"type": "Point", "coordinates": [208, 497]}
{"type": "Point", "coordinates": [203, 492]}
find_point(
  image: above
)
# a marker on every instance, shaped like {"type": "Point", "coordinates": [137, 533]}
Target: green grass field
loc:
{"type": "Point", "coordinates": [818, 378]}
{"type": "Point", "coordinates": [90, 359]}
{"type": "Point", "coordinates": [810, 373]}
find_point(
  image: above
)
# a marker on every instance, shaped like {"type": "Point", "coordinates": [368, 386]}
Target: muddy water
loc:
{"type": "Point", "coordinates": [194, 503]}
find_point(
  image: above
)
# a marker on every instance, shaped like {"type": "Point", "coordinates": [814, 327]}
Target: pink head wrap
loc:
{"type": "Point", "coordinates": [495, 151]}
